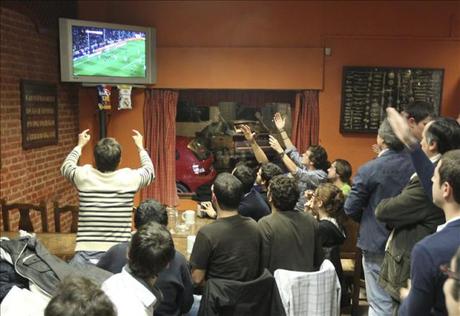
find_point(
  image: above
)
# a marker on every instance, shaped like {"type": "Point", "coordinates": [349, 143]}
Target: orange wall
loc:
{"type": "Point", "coordinates": [403, 33]}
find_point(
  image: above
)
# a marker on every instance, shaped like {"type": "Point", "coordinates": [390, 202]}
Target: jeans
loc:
{"type": "Point", "coordinates": [91, 257]}
{"type": "Point", "coordinates": [380, 302]}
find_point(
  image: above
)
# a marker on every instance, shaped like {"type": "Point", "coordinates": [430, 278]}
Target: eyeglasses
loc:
{"type": "Point", "coordinates": [449, 273]}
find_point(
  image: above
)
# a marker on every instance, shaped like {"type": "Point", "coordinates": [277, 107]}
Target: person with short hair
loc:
{"type": "Point", "coordinates": [309, 169]}
{"type": "Point", "coordinates": [339, 174]}
{"type": "Point", "coordinates": [378, 179]}
{"type": "Point", "coordinates": [451, 287]}
{"type": "Point", "coordinates": [228, 248]}
{"type": "Point", "coordinates": [105, 195]}
{"type": "Point", "coordinates": [411, 214]}
{"type": "Point", "coordinates": [418, 114]}
{"type": "Point", "coordinates": [133, 290]}
{"type": "Point", "coordinates": [175, 281]}
{"type": "Point", "coordinates": [79, 296]}
{"type": "Point", "coordinates": [290, 238]}
{"type": "Point", "coordinates": [425, 293]}
{"type": "Point", "coordinates": [252, 204]}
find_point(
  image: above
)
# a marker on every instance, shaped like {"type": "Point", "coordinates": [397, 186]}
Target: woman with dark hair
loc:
{"type": "Point", "coordinates": [339, 174]}
{"type": "Point", "coordinates": [326, 205]}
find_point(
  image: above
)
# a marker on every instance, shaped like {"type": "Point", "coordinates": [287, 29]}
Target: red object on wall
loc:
{"type": "Point", "coordinates": [191, 172]}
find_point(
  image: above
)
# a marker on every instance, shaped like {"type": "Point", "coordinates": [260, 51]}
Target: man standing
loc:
{"type": "Point", "coordinates": [425, 296]}
{"type": "Point", "coordinates": [290, 238]}
{"type": "Point", "coordinates": [228, 248]}
{"type": "Point", "coordinates": [442, 184]}
{"type": "Point", "coordinates": [412, 214]}
{"type": "Point", "coordinates": [380, 178]}
{"type": "Point", "coordinates": [106, 195]}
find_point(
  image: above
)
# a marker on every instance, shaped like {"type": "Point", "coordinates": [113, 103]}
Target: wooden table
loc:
{"type": "Point", "coordinates": [63, 244]}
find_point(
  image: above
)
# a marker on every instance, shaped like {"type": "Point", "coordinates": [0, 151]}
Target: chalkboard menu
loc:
{"type": "Point", "coordinates": [38, 114]}
{"type": "Point", "coordinates": [368, 91]}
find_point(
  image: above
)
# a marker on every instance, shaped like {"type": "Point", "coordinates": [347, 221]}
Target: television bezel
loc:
{"type": "Point", "coordinates": [66, 54]}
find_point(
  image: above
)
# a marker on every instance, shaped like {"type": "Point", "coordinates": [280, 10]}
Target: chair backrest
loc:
{"type": "Point", "coordinates": [59, 210]}
{"type": "Point", "coordinates": [310, 293]}
{"type": "Point", "coordinates": [349, 248]}
{"type": "Point", "coordinates": [228, 297]}
{"type": "Point", "coordinates": [24, 209]}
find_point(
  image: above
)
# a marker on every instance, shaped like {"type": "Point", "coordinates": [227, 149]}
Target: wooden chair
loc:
{"type": "Point", "coordinates": [24, 215]}
{"type": "Point", "coordinates": [65, 209]}
{"type": "Point", "coordinates": [351, 258]}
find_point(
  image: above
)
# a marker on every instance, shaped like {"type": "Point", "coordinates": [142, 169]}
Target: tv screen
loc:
{"type": "Point", "coordinates": [106, 53]}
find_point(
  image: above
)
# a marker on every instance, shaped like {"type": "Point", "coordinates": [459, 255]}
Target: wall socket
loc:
{"type": "Point", "coordinates": [327, 51]}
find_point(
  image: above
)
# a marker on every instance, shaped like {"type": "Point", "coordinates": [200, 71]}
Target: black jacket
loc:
{"type": "Point", "coordinates": [227, 297]}
{"type": "Point", "coordinates": [412, 216]}
{"type": "Point", "coordinates": [34, 262]}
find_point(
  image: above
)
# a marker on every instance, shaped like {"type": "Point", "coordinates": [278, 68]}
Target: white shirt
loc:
{"type": "Point", "coordinates": [441, 227]}
{"type": "Point", "coordinates": [129, 295]}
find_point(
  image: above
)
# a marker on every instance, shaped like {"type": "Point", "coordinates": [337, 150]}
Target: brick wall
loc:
{"type": "Point", "coordinates": [30, 176]}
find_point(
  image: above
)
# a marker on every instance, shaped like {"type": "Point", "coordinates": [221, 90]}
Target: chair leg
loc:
{"type": "Point", "coordinates": [356, 284]}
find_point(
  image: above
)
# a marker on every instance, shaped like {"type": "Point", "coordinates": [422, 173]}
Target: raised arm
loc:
{"type": "Point", "coordinates": [258, 152]}
{"type": "Point", "coordinates": [69, 166]}
{"type": "Point", "coordinates": [146, 171]}
{"type": "Point", "coordinates": [290, 165]}
{"type": "Point", "coordinates": [422, 164]}
{"type": "Point", "coordinates": [280, 123]}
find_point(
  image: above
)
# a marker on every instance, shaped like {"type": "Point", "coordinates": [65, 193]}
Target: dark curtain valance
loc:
{"type": "Point", "coordinates": [251, 98]}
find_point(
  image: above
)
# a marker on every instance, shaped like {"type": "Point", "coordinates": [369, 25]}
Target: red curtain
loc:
{"type": "Point", "coordinates": [305, 122]}
{"type": "Point", "coordinates": [160, 137]}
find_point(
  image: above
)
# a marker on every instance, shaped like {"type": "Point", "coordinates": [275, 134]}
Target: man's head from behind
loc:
{"type": "Point", "coordinates": [150, 210]}
{"type": "Point", "coordinates": [446, 181]}
{"type": "Point", "coordinates": [246, 175]}
{"type": "Point", "coordinates": [418, 114]}
{"type": "Point", "coordinates": [150, 250]}
{"type": "Point", "coordinates": [266, 172]}
{"type": "Point", "coordinates": [283, 193]}
{"type": "Point", "coordinates": [107, 154]}
{"type": "Point", "coordinates": [388, 137]}
{"type": "Point", "coordinates": [440, 136]}
{"type": "Point", "coordinates": [79, 296]}
{"type": "Point", "coordinates": [227, 191]}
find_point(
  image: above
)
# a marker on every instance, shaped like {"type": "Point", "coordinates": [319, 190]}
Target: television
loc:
{"type": "Point", "coordinates": [95, 52]}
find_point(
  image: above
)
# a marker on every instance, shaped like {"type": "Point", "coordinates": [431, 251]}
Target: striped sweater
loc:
{"type": "Point", "coordinates": [106, 200]}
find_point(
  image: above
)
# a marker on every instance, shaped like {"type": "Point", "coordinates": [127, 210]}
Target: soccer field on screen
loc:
{"type": "Point", "coordinates": [125, 61]}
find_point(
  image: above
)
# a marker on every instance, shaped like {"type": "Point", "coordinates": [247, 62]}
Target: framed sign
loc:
{"type": "Point", "coordinates": [368, 91]}
{"type": "Point", "coordinates": [38, 114]}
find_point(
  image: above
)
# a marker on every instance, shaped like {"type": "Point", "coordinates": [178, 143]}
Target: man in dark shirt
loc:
{"type": "Point", "coordinates": [289, 238]}
{"type": "Point", "coordinates": [174, 281]}
{"type": "Point", "coordinates": [252, 204]}
{"type": "Point", "coordinates": [229, 248]}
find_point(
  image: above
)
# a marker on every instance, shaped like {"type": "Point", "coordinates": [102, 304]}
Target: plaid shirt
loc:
{"type": "Point", "coordinates": [310, 293]}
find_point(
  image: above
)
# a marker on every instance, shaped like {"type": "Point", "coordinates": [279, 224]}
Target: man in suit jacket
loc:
{"type": "Point", "coordinates": [411, 214]}
{"type": "Point", "coordinates": [381, 178]}
{"type": "Point", "coordinates": [425, 294]}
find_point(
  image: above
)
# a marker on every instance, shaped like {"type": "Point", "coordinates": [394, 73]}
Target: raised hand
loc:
{"type": "Point", "coordinates": [280, 121]}
{"type": "Point", "coordinates": [400, 127]}
{"type": "Point", "coordinates": [83, 138]}
{"type": "Point", "coordinates": [248, 134]}
{"type": "Point", "coordinates": [138, 139]}
{"type": "Point", "coordinates": [275, 144]}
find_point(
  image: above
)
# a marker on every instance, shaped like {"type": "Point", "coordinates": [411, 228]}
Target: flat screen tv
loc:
{"type": "Point", "coordinates": [94, 52]}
